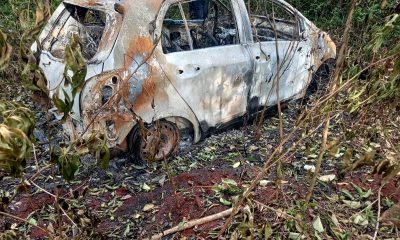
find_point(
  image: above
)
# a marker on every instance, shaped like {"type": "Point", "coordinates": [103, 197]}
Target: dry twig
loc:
{"type": "Point", "coordinates": [379, 213]}
{"type": "Point", "coordinates": [192, 223]}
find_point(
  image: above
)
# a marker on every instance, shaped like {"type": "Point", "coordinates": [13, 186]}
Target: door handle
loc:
{"type": "Point", "coordinates": [267, 57]}
{"type": "Point", "coordinates": [189, 70]}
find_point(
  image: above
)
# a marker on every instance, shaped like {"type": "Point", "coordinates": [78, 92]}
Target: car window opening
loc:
{"type": "Point", "coordinates": [266, 17]}
{"type": "Point", "coordinates": [203, 24]}
{"type": "Point", "coordinates": [87, 24]}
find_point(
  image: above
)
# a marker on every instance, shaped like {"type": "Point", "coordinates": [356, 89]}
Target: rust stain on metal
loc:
{"type": "Point", "coordinates": [147, 95]}
{"type": "Point", "coordinates": [141, 46]}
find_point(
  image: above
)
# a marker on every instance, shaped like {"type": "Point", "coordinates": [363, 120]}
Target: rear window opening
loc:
{"type": "Point", "coordinates": [87, 24]}
{"type": "Point", "coordinates": [270, 20]}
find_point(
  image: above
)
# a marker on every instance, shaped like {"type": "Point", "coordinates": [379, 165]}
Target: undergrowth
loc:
{"type": "Point", "coordinates": [366, 109]}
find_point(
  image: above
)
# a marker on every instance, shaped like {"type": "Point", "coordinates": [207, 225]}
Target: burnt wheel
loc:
{"type": "Point", "coordinates": [154, 143]}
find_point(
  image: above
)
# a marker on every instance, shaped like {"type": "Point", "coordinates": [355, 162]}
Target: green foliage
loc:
{"type": "Point", "coordinates": [18, 120]}
{"type": "Point", "coordinates": [228, 187]}
{"type": "Point", "coordinates": [74, 75]}
{"type": "Point", "coordinates": [249, 229]}
{"type": "Point", "coordinates": [32, 76]}
{"type": "Point", "coordinates": [68, 159]}
{"type": "Point", "coordinates": [17, 15]}
{"type": "Point", "coordinates": [16, 125]}
{"type": "Point", "coordinates": [15, 148]}
{"type": "Point", "coordinates": [68, 163]}
{"type": "Point", "coordinates": [16, 115]}
{"type": "Point", "coordinates": [75, 66]}
{"type": "Point", "coordinates": [331, 15]}
{"type": "Point", "coordinates": [325, 14]}
{"type": "Point", "coordinates": [63, 106]}
{"type": "Point", "coordinates": [97, 145]}
{"type": "Point", "coordinates": [384, 78]}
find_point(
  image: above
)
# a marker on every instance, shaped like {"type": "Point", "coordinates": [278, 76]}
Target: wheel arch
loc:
{"type": "Point", "coordinates": [182, 122]}
{"type": "Point", "coordinates": [324, 72]}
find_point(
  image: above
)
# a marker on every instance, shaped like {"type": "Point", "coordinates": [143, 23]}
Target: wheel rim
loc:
{"type": "Point", "coordinates": [159, 141]}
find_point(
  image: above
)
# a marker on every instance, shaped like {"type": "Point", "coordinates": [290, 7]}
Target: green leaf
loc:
{"type": "Point", "coordinates": [352, 204]}
{"type": "Point", "coordinates": [60, 104]}
{"type": "Point", "coordinates": [146, 187]}
{"type": "Point", "coordinates": [78, 80]}
{"type": "Point", "coordinates": [236, 165]}
{"type": "Point", "coordinates": [32, 221]}
{"type": "Point", "coordinates": [127, 230]}
{"type": "Point", "coordinates": [267, 231]}
{"type": "Point", "coordinates": [348, 194]}
{"type": "Point", "coordinates": [225, 202]}
{"type": "Point", "coordinates": [63, 106]}
{"type": "Point", "coordinates": [361, 220]}
{"type": "Point", "coordinates": [230, 182]}
{"type": "Point", "coordinates": [317, 225]}
{"type": "Point", "coordinates": [68, 164]}
{"type": "Point", "coordinates": [105, 157]}
{"type": "Point", "coordinates": [296, 236]}
{"type": "Point", "coordinates": [75, 66]}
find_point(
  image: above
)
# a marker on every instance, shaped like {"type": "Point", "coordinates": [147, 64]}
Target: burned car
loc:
{"type": "Point", "coordinates": [160, 72]}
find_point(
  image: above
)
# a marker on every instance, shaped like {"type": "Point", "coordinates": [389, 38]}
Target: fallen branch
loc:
{"type": "Point", "coordinates": [379, 213]}
{"type": "Point", "coordinates": [192, 223]}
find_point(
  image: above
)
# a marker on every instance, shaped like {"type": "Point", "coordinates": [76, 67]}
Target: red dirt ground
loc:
{"type": "Point", "coordinates": [189, 203]}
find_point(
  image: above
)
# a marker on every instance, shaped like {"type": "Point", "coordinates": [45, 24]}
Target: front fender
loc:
{"type": "Point", "coordinates": [103, 109]}
{"type": "Point", "coordinates": [326, 46]}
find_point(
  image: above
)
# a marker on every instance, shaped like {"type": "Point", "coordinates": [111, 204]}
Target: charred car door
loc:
{"type": "Point", "coordinates": [279, 53]}
{"type": "Point", "coordinates": [203, 58]}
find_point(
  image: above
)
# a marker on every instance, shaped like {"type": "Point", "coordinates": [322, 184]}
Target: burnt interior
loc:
{"type": "Point", "coordinates": [264, 29]}
{"type": "Point", "coordinates": [211, 25]}
{"type": "Point", "coordinates": [87, 24]}
{"type": "Point", "coordinates": [269, 19]}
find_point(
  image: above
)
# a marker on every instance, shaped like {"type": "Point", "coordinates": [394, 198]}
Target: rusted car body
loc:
{"type": "Point", "coordinates": [150, 60]}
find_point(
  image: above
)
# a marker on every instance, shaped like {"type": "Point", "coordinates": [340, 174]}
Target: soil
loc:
{"type": "Point", "coordinates": [132, 202]}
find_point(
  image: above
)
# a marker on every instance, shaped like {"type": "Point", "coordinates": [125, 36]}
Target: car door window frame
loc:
{"type": "Point", "coordinates": [297, 16]}
{"type": "Point", "coordinates": [236, 15]}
